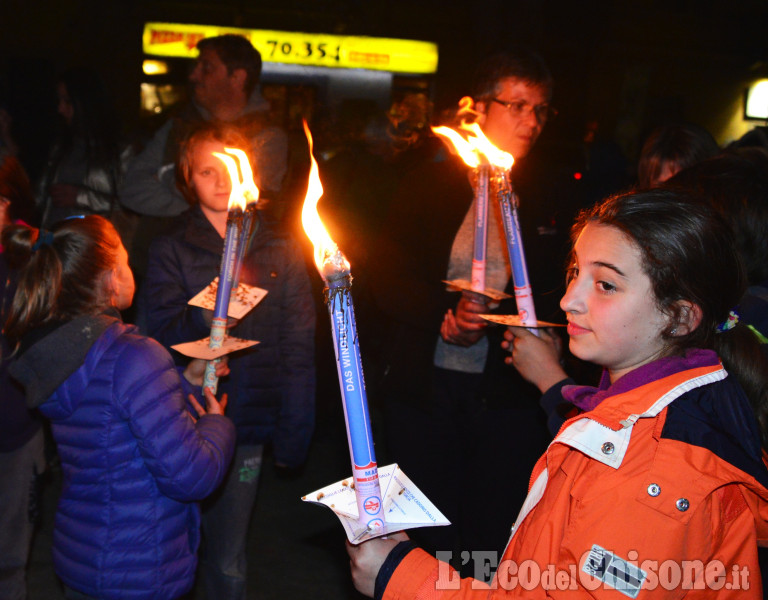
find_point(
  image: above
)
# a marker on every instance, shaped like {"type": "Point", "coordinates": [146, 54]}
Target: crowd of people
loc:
{"type": "Point", "coordinates": [633, 436]}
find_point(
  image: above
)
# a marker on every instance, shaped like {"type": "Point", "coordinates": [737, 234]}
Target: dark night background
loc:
{"type": "Point", "coordinates": [627, 65]}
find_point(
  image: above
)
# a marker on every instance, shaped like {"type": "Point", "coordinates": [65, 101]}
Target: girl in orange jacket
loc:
{"type": "Point", "coordinates": [657, 489]}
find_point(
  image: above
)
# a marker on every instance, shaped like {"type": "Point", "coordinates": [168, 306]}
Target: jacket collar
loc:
{"type": "Point", "coordinates": [53, 353]}
{"type": "Point", "coordinates": [587, 398]}
{"type": "Point", "coordinates": [256, 103]}
{"type": "Point", "coordinates": [199, 231]}
{"type": "Point", "coordinates": [604, 433]}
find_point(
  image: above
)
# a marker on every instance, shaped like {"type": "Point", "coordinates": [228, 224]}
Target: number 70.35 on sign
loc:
{"type": "Point", "coordinates": [385, 54]}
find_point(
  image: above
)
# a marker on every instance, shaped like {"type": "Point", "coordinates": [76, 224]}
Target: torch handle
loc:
{"type": "Point", "coordinates": [218, 333]}
{"type": "Point", "coordinates": [523, 291]}
{"type": "Point", "coordinates": [358, 422]}
{"type": "Point", "coordinates": [242, 245]}
{"type": "Point", "coordinates": [481, 229]}
{"type": "Point", "coordinates": [229, 266]}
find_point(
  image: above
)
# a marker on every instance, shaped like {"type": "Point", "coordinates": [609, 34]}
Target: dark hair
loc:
{"type": "Point", "coordinates": [226, 134]}
{"type": "Point", "coordinates": [521, 63]}
{"type": "Point", "coordinates": [689, 254]}
{"type": "Point", "coordinates": [236, 52]}
{"type": "Point", "coordinates": [94, 119]}
{"type": "Point", "coordinates": [61, 270]}
{"type": "Point", "coordinates": [678, 146]}
{"type": "Point", "coordinates": [736, 184]}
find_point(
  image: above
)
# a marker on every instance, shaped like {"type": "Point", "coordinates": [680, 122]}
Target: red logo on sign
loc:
{"type": "Point", "coordinates": [371, 506]}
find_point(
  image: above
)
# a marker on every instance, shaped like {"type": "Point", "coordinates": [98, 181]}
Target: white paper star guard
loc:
{"type": "Point", "coordinates": [242, 300]}
{"type": "Point", "coordinates": [516, 321]}
{"type": "Point", "coordinates": [405, 505]}
{"type": "Point", "coordinates": [201, 348]}
{"type": "Point", "coordinates": [464, 285]}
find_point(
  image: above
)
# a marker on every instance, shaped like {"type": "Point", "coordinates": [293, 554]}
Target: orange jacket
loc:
{"type": "Point", "coordinates": [676, 489]}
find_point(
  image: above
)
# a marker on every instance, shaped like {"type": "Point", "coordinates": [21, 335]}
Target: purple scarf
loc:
{"type": "Point", "coordinates": [586, 398]}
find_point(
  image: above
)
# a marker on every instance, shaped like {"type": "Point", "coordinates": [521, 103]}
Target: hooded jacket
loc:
{"type": "Point", "coordinates": [134, 461]}
{"type": "Point", "coordinates": [149, 186]}
{"type": "Point", "coordinates": [658, 492]}
{"type": "Point", "coordinates": [271, 386]}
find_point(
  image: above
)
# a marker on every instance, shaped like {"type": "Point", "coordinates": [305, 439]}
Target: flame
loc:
{"type": "Point", "coordinates": [248, 187]}
{"type": "Point", "coordinates": [325, 247]}
{"type": "Point", "coordinates": [494, 155]}
{"type": "Point", "coordinates": [236, 197]}
{"type": "Point", "coordinates": [475, 147]}
{"type": "Point", "coordinates": [467, 151]}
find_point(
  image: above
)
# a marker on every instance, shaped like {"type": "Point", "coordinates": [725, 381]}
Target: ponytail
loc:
{"type": "Point", "coordinates": [39, 280]}
{"type": "Point", "coordinates": [61, 271]}
{"type": "Point", "coordinates": [741, 353]}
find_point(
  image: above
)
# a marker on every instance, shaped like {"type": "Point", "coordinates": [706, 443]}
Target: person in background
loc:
{"type": "Point", "coordinates": [453, 411]}
{"type": "Point", "coordinates": [663, 465]}
{"type": "Point", "coordinates": [672, 148]}
{"type": "Point", "coordinates": [134, 460]}
{"type": "Point", "coordinates": [225, 89]}
{"type": "Point", "coordinates": [736, 184]}
{"type": "Point", "coordinates": [224, 85]}
{"type": "Point", "coordinates": [271, 387]}
{"type": "Point", "coordinates": [85, 163]}
{"type": "Point", "coordinates": [22, 444]}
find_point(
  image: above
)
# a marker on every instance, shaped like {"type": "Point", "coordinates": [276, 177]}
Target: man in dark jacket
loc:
{"type": "Point", "coordinates": [465, 427]}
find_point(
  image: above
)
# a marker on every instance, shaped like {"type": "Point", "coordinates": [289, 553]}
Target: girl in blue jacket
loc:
{"type": "Point", "coordinates": [134, 459]}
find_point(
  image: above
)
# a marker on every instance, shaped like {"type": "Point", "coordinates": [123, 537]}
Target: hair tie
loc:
{"type": "Point", "coordinates": [729, 323]}
{"type": "Point", "coordinates": [760, 337]}
{"type": "Point", "coordinates": [44, 238]}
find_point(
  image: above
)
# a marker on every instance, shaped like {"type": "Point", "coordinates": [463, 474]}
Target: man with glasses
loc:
{"type": "Point", "coordinates": [465, 427]}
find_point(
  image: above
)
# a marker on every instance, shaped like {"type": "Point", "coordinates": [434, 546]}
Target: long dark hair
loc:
{"type": "Point", "coordinates": [736, 184]}
{"type": "Point", "coordinates": [94, 119]}
{"type": "Point", "coordinates": [689, 254]}
{"type": "Point", "coordinates": [677, 145]}
{"type": "Point", "coordinates": [61, 271]}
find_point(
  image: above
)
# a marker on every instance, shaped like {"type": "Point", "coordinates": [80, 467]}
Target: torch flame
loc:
{"type": "Point", "coordinates": [236, 197]}
{"type": "Point", "coordinates": [476, 146]}
{"type": "Point", "coordinates": [467, 151]}
{"type": "Point", "coordinates": [248, 187]}
{"type": "Point", "coordinates": [325, 247]}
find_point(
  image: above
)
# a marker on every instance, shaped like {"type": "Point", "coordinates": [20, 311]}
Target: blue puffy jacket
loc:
{"type": "Point", "coordinates": [271, 387]}
{"type": "Point", "coordinates": [133, 459]}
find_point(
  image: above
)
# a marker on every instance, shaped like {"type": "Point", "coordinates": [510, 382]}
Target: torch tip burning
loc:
{"type": "Point", "coordinates": [474, 147]}
{"type": "Point", "coordinates": [329, 260]}
{"type": "Point", "coordinates": [244, 192]}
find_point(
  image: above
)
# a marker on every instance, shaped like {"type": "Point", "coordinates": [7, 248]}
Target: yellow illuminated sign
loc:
{"type": "Point", "coordinates": [311, 49]}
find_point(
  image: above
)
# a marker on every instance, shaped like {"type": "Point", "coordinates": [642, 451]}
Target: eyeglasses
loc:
{"type": "Point", "coordinates": [517, 108]}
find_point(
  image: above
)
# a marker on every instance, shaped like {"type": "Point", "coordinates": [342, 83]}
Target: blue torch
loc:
{"type": "Point", "coordinates": [336, 273]}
